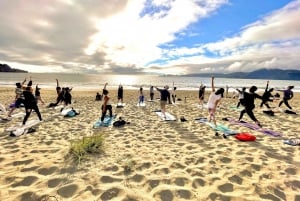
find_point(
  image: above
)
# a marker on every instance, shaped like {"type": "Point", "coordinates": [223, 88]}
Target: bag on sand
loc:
{"type": "Point", "coordinates": [71, 113]}
{"type": "Point", "coordinates": [119, 123]}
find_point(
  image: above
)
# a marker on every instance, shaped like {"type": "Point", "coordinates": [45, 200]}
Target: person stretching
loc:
{"type": "Point", "coordinates": [287, 95]}
{"type": "Point", "coordinates": [30, 104]}
{"type": "Point", "coordinates": [249, 104]}
{"type": "Point", "coordinates": [201, 94]}
{"type": "Point", "coordinates": [106, 105]}
{"type": "Point", "coordinates": [213, 101]}
{"type": "Point", "coordinates": [141, 96]}
{"type": "Point", "coordinates": [164, 97]}
{"type": "Point", "coordinates": [266, 96]}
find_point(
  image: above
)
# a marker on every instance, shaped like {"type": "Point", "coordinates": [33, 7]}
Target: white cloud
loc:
{"type": "Point", "coordinates": [130, 36]}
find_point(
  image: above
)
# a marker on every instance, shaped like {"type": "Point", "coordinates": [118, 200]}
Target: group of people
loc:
{"type": "Point", "coordinates": [246, 99]}
{"type": "Point", "coordinates": [63, 95]}
{"type": "Point", "coordinates": [26, 96]}
{"type": "Point", "coordinates": [165, 97]}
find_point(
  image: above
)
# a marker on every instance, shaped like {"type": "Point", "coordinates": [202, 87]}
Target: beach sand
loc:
{"type": "Point", "coordinates": [168, 160]}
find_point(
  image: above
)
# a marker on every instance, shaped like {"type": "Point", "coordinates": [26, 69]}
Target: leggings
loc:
{"type": "Point", "coordinates": [109, 108]}
{"type": "Point", "coordinates": [285, 101]}
{"type": "Point", "coordinates": [265, 102]}
{"type": "Point", "coordinates": [28, 112]}
{"type": "Point", "coordinates": [249, 111]}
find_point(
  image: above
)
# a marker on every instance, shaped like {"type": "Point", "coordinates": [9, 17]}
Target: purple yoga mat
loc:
{"type": "Point", "coordinates": [255, 127]}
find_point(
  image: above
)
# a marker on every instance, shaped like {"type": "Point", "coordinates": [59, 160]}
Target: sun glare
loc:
{"type": "Point", "coordinates": [125, 79]}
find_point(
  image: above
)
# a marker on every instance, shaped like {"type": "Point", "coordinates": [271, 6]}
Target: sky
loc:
{"type": "Point", "coordinates": [149, 36]}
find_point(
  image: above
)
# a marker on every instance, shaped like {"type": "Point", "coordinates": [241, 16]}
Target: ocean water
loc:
{"type": "Point", "coordinates": [96, 81]}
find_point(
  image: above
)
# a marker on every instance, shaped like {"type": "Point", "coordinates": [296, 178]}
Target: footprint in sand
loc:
{"type": "Point", "coordinates": [165, 195]}
{"type": "Point", "coordinates": [25, 162]}
{"type": "Point", "coordinates": [236, 179]}
{"type": "Point", "coordinates": [198, 183]}
{"type": "Point", "coordinates": [28, 196]}
{"type": "Point", "coordinates": [52, 183]}
{"type": "Point", "coordinates": [108, 179]}
{"type": "Point", "coordinates": [47, 171]}
{"type": "Point", "coordinates": [110, 194]}
{"type": "Point", "coordinates": [27, 181]}
{"type": "Point", "coordinates": [228, 187]}
{"type": "Point", "coordinates": [29, 169]}
{"type": "Point", "coordinates": [67, 191]}
{"type": "Point", "coordinates": [138, 178]}
{"type": "Point", "coordinates": [291, 171]}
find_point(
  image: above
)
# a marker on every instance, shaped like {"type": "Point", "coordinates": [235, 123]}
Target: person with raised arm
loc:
{"type": "Point", "coordinates": [287, 95]}
{"type": "Point", "coordinates": [19, 98]}
{"type": "Point", "coordinates": [164, 98]}
{"type": "Point", "coordinates": [173, 94]}
{"type": "Point", "coordinates": [106, 105]}
{"type": "Point", "coordinates": [266, 97]}
{"type": "Point", "coordinates": [37, 94]}
{"type": "Point", "coordinates": [120, 94]}
{"type": "Point", "coordinates": [30, 103]}
{"type": "Point", "coordinates": [241, 97]}
{"type": "Point", "coordinates": [213, 101]}
{"type": "Point", "coordinates": [248, 103]}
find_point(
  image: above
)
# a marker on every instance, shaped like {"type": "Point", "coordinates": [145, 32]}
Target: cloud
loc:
{"type": "Point", "coordinates": [139, 36]}
{"type": "Point", "coordinates": [272, 42]}
{"type": "Point", "coordinates": [94, 34]}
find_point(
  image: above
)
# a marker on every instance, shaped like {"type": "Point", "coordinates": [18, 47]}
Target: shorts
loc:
{"type": "Point", "coordinates": [163, 103]}
{"type": "Point", "coordinates": [18, 102]}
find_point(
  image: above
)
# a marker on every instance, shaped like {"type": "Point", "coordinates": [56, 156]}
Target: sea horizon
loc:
{"type": "Point", "coordinates": [129, 81]}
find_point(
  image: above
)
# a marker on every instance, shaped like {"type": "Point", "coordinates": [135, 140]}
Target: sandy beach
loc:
{"type": "Point", "coordinates": [169, 160]}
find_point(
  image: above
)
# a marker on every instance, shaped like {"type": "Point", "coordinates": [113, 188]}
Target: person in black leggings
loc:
{"type": "Point", "coordinates": [106, 105]}
{"type": "Point", "coordinates": [287, 95]}
{"type": "Point", "coordinates": [249, 105]}
{"type": "Point", "coordinates": [266, 96]}
{"type": "Point", "coordinates": [30, 104]}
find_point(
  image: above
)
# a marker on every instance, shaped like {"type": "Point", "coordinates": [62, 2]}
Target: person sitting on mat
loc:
{"type": "Point", "coordinates": [249, 104]}
{"type": "Point", "coordinates": [213, 101]}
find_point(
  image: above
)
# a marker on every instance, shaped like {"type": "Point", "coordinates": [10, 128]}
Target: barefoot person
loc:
{"type": "Point", "coordinates": [141, 96]}
{"type": "Point", "coordinates": [248, 103]}
{"type": "Point", "coordinates": [30, 104]}
{"type": "Point", "coordinates": [287, 95]}
{"type": "Point", "coordinates": [106, 105]}
{"type": "Point", "coordinates": [120, 94]}
{"type": "Point", "coordinates": [151, 92]}
{"type": "Point", "coordinates": [201, 94]}
{"type": "Point", "coordinates": [164, 98]}
{"type": "Point", "coordinates": [213, 101]}
{"type": "Point", "coordinates": [37, 94]}
{"type": "Point", "coordinates": [19, 98]}
{"type": "Point", "coordinates": [266, 97]}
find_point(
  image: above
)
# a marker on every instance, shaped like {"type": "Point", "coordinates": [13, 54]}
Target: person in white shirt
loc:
{"type": "Point", "coordinates": [213, 101]}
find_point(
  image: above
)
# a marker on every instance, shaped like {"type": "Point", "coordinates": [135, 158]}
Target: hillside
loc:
{"type": "Point", "coordinates": [4, 68]}
{"type": "Point", "coordinates": [272, 74]}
